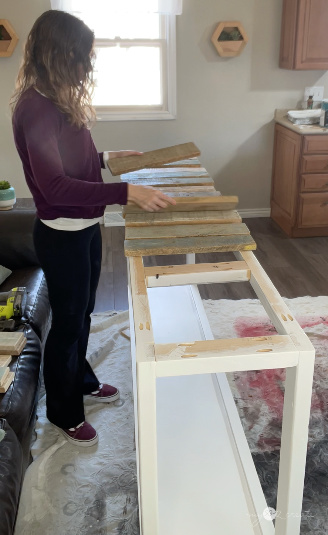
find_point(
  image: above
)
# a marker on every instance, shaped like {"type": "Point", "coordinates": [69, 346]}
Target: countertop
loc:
{"type": "Point", "coordinates": [280, 117]}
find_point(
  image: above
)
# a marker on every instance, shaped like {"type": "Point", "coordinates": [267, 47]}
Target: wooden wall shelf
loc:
{"type": "Point", "coordinates": [229, 48]}
{"type": "Point", "coordinates": [8, 40]}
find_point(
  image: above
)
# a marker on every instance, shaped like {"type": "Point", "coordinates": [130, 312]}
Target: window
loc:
{"type": "Point", "coordinates": [135, 67]}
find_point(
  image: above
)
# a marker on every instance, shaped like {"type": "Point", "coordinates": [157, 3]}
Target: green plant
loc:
{"type": "Point", "coordinates": [4, 184]}
{"type": "Point", "coordinates": [232, 35]}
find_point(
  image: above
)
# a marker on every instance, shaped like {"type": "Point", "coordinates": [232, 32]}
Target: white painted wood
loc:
{"type": "Point", "coordinates": [252, 488]}
{"type": "Point", "coordinates": [194, 440]}
{"type": "Point", "coordinates": [179, 320]}
{"type": "Point", "coordinates": [297, 402]}
{"type": "Point", "coordinates": [144, 379]}
{"type": "Point", "coordinates": [190, 258]}
{"type": "Point", "coordinates": [215, 356]}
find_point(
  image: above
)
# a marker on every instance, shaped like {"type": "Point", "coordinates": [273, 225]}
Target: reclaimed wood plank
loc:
{"type": "Point", "coordinates": [126, 164]}
{"type": "Point", "coordinates": [190, 162]}
{"type": "Point", "coordinates": [181, 231]}
{"type": "Point", "coordinates": [187, 218]}
{"type": "Point", "coordinates": [189, 245]}
{"type": "Point", "coordinates": [187, 189]}
{"type": "Point", "coordinates": [191, 203]}
{"type": "Point", "coordinates": [175, 172]}
{"type": "Point", "coordinates": [167, 182]}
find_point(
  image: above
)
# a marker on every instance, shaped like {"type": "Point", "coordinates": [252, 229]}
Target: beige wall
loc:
{"type": "Point", "coordinates": [225, 106]}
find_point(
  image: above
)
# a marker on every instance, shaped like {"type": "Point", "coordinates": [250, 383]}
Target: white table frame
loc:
{"type": "Point", "coordinates": [290, 349]}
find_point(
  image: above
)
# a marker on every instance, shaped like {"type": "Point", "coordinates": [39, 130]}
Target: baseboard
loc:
{"type": "Point", "coordinates": [254, 212]}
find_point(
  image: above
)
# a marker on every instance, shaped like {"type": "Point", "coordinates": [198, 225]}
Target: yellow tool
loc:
{"type": "Point", "coordinates": [15, 301]}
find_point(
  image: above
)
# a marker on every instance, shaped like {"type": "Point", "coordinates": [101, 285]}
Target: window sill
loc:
{"type": "Point", "coordinates": [134, 116]}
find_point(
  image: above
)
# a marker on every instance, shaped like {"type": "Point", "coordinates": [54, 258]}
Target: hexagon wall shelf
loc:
{"type": "Point", "coordinates": [8, 38]}
{"type": "Point", "coordinates": [229, 39]}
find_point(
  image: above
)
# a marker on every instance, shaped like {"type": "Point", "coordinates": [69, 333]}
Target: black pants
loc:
{"type": "Point", "coordinates": [71, 261]}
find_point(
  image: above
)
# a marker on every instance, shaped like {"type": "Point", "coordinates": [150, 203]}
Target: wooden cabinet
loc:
{"type": "Point", "coordinates": [304, 35]}
{"type": "Point", "coordinates": [299, 192]}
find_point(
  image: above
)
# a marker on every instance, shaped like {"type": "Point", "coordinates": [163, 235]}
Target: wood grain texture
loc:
{"type": "Point", "coordinates": [189, 245]}
{"type": "Point", "coordinates": [187, 218]}
{"type": "Point", "coordinates": [192, 203]}
{"type": "Point", "coordinates": [5, 360]}
{"type": "Point", "coordinates": [190, 162]}
{"type": "Point", "coordinates": [186, 189]}
{"type": "Point", "coordinates": [11, 343]}
{"type": "Point", "coordinates": [126, 164]}
{"type": "Point", "coordinates": [187, 269]}
{"type": "Point", "coordinates": [6, 385]}
{"type": "Point", "coordinates": [169, 182]}
{"type": "Point", "coordinates": [175, 172]}
{"type": "Point", "coordinates": [181, 231]}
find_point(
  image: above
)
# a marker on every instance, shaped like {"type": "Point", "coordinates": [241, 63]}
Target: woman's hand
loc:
{"type": "Point", "coordinates": [148, 198]}
{"type": "Point", "coordinates": [123, 153]}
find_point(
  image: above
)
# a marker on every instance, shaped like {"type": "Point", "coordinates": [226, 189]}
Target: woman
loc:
{"type": "Point", "coordinates": [52, 112]}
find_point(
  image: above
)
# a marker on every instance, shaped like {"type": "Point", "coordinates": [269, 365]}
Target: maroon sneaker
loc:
{"type": "Point", "coordinates": [82, 435]}
{"type": "Point", "coordinates": [105, 394]}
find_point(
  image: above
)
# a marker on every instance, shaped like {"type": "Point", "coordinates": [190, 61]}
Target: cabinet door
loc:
{"type": "Point", "coordinates": [312, 35]}
{"type": "Point", "coordinates": [288, 34]}
{"type": "Point", "coordinates": [285, 175]}
{"type": "Point", "coordinates": [304, 35]}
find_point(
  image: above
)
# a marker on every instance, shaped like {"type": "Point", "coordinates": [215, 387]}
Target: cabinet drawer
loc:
{"type": "Point", "coordinates": [313, 210]}
{"type": "Point", "coordinates": [314, 164]}
{"type": "Point", "coordinates": [315, 144]}
{"type": "Point", "coordinates": [316, 182]}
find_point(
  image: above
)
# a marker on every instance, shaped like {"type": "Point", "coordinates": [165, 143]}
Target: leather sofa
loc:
{"type": "Point", "coordinates": [18, 405]}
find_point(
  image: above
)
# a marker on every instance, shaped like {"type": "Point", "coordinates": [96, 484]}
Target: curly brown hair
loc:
{"type": "Point", "coordinates": [58, 61]}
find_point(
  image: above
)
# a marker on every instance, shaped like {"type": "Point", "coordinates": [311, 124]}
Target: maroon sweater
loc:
{"type": "Point", "coordinates": [61, 164]}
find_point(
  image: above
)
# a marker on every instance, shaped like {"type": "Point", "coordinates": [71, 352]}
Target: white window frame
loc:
{"type": "Point", "coordinates": [147, 113]}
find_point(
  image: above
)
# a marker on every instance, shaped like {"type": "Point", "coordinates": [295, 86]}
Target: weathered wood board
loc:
{"type": "Point", "coordinates": [11, 343]}
{"type": "Point", "coordinates": [166, 182]}
{"type": "Point", "coordinates": [190, 162]}
{"type": "Point", "coordinates": [145, 219]}
{"type": "Point", "coordinates": [192, 203]}
{"type": "Point", "coordinates": [186, 189]}
{"type": "Point", "coordinates": [118, 166]}
{"type": "Point", "coordinates": [189, 245]}
{"type": "Point", "coordinates": [165, 173]}
{"type": "Point", "coordinates": [181, 231]}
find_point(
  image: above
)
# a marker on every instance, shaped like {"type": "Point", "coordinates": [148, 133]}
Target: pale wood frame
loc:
{"type": "Point", "coordinates": [8, 49]}
{"type": "Point", "coordinates": [229, 49]}
{"type": "Point", "coordinates": [290, 349]}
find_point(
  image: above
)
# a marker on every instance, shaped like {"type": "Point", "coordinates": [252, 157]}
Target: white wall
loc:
{"type": "Point", "coordinates": [225, 105]}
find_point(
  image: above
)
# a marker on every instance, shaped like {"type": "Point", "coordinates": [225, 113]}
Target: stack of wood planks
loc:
{"type": "Point", "coordinates": [11, 343]}
{"type": "Point", "coordinates": [201, 221]}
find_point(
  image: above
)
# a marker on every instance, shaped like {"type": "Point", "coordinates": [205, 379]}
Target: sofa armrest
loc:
{"type": "Point", "coordinates": [11, 475]}
{"type": "Point", "coordinates": [16, 239]}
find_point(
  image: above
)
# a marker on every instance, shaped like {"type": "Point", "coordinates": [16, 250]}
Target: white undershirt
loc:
{"type": "Point", "coordinates": [67, 223]}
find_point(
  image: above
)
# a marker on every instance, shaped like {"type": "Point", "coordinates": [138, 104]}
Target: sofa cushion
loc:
{"type": "Point", "coordinates": [11, 474]}
{"type": "Point", "coordinates": [18, 404]}
{"type": "Point", "coordinates": [16, 240]}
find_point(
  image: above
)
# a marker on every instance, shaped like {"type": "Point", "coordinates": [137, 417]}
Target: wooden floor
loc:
{"type": "Point", "coordinates": [297, 267]}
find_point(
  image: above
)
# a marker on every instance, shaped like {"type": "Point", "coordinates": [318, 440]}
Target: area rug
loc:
{"type": "Point", "coordinates": [94, 492]}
